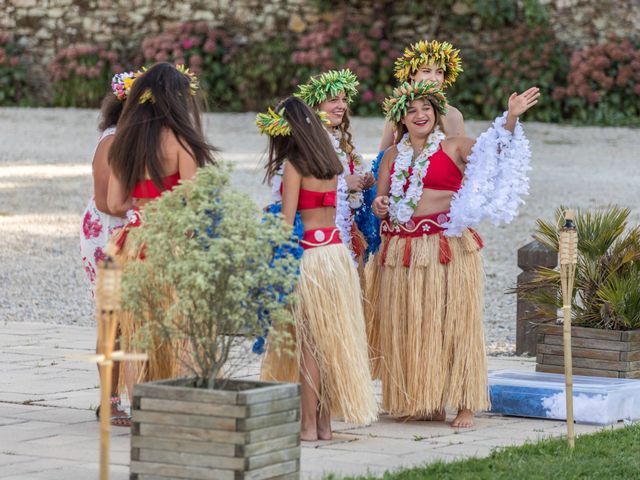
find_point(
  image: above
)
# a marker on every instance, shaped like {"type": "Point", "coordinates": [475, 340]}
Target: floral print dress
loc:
{"type": "Point", "coordinates": [97, 228]}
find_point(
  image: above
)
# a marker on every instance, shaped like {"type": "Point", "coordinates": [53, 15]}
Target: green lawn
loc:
{"type": "Point", "coordinates": [610, 454]}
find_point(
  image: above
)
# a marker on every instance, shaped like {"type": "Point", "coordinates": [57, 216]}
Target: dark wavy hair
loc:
{"type": "Point", "coordinates": [136, 149]}
{"type": "Point", "coordinates": [110, 111]}
{"type": "Point", "coordinates": [308, 148]}
{"type": "Point", "coordinates": [346, 139]}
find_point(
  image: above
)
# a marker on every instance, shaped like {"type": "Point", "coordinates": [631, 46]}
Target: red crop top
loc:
{"type": "Point", "coordinates": [442, 174]}
{"type": "Point", "coordinates": [308, 199]}
{"type": "Point", "coordinates": [147, 189]}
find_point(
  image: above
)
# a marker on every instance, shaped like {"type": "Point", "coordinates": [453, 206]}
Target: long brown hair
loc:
{"type": "Point", "coordinates": [110, 111]}
{"type": "Point", "coordinates": [308, 148]}
{"type": "Point", "coordinates": [346, 142]}
{"type": "Point", "coordinates": [136, 149]}
{"type": "Point", "coordinates": [401, 128]}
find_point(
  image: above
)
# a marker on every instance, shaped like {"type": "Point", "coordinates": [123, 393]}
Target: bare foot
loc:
{"type": "Point", "coordinates": [434, 417]}
{"type": "Point", "coordinates": [323, 422]}
{"type": "Point", "coordinates": [464, 419]}
{"type": "Point", "coordinates": [308, 435]}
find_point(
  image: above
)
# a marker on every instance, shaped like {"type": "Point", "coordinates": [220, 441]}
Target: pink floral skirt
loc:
{"type": "Point", "coordinates": [97, 228]}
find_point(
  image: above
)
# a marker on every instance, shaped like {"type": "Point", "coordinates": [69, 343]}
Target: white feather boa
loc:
{"type": "Point", "coordinates": [495, 179]}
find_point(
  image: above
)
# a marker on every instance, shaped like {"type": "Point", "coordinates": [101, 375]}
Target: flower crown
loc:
{"type": "Point", "coordinates": [328, 85]}
{"type": "Point", "coordinates": [274, 124]}
{"type": "Point", "coordinates": [395, 107]}
{"type": "Point", "coordinates": [194, 84]}
{"type": "Point", "coordinates": [442, 54]}
{"type": "Point", "coordinates": [121, 84]}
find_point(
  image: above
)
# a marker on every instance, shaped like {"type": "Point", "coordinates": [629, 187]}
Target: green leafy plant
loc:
{"type": "Point", "coordinates": [81, 75]}
{"type": "Point", "coordinates": [606, 291]}
{"type": "Point", "coordinates": [208, 247]}
{"type": "Point", "coordinates": [258, 70]}
{"type": "Point", "coordinates": [14, 86]}
{"type": "Point", "coordinates": [508, 60]}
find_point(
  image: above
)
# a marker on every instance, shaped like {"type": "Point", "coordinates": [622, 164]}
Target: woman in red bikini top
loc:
{"type": "Point", "coordinates": [159, 139]}
{"type": "Point", "coordinates": [330, 359]}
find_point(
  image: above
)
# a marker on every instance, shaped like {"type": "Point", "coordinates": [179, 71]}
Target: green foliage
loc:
{"type": "Point", "coordinates": [261, 71]}
{"type": "Point", "coordinates": [508, 60]}
{"type": "Point", "coordinates": [14, 86]}
{"type": "Point", "coordinates": [613, 454]}
{"type": "Point", "coordinates": [207, 247]}
{"type": "Point", "coordinates": [607, 274]}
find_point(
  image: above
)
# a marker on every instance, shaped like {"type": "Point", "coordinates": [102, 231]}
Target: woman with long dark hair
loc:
{"type": "Point", "coordinates": [330, 359]}
{"type": "Point", "coordinates": [158, 143]}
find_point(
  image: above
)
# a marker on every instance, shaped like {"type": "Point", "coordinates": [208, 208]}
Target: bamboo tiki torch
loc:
{"type": "Point", "coordinates": [568, 258]}
{"type": "Point", "coordinates": [107, 309]}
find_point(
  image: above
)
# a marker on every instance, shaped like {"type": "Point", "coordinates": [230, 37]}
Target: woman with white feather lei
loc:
{"type": "Point", "coordinates": [426, 280]}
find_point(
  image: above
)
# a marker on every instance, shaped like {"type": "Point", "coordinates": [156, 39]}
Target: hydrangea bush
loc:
{"type": "Point", "coordinates": [230, 268]}
{"type": "Point", "coordinates": [603, 85]}
{"type": "Point", "coordinates": [356, 43]}
{"type": "Point", "coordinates": [81, 75]}
{"type": "Point", "coordinates": [206, 50]}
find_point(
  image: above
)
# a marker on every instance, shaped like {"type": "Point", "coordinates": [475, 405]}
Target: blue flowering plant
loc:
{"type": "Point", "coordinates": [216, 273]}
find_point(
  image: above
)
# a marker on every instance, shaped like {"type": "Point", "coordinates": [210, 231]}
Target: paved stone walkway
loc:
{"type": "Point", "coordinates": [48, 428]}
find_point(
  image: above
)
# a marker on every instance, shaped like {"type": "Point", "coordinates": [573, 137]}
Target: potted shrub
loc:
{"type": "Point", "coordinates": [606, 302]}
{"type": "Point", "coordinates": [228, 271]}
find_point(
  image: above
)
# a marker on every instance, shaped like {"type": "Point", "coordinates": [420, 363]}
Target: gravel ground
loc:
{"type": "Point", "coordinates": [45, 167]}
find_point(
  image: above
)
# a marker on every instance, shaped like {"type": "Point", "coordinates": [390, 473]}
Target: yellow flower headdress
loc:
{"type": "Point", "coordinates": [440, 53]}
{"type": "Point", "coordinates": [274, 124]}
{"type": "Point", "coordinates": [328, 85]}
{"type": "Point", "coordinates": [395, 107]}
{"type": "Point", "coordinates": [194, 84]}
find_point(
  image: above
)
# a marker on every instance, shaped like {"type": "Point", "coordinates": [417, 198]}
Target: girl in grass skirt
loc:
{"type": "Point", "coordinates": [330, 349]}
{"type": "Point", "coordinates": [426, 281]}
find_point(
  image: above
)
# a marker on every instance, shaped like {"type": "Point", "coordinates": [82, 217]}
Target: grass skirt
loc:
{"type": "Point", "coordinates": [329, 319]}
{"type": "Point", "coordinates": [424, 326]}
{"type": "Point", "coordinates": [164, 358]}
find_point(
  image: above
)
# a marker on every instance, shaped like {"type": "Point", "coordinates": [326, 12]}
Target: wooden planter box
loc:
{"type": "Point", "coordinates": [602, 353]}
{"type": "Point", "coordinates": [248, 430]}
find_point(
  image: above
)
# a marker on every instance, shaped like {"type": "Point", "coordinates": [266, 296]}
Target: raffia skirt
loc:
{"type": "Point", "coordinates": [424, 323]}
{"type": "Point", "coordinates": [164, 359]}
{"type": "Point", "coordinates": [329, 319]}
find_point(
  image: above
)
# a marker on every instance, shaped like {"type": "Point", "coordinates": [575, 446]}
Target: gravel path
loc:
{"type": "Point", "coordinates": [45, 167]}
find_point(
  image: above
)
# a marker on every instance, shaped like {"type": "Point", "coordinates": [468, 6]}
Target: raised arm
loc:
{"type": "Point", "coordinates": [291, 183]}
{"type": "Point", "coordinates": [518, 104]}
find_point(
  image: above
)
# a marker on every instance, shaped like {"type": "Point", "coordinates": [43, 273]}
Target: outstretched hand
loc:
{"type": "Point", "coordinates": [518, 104]}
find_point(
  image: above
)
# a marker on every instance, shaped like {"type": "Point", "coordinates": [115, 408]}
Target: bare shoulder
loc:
{"type": "Point", "coordinates": [458, 147]}
{"type": "Point", "coordinates": [390, 154]}
{"type": "Point", "coordinates": [454, 122]}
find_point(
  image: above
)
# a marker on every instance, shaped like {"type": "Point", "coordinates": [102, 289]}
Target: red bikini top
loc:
{"type": "Point", "coordinates": [308, 199]}
{"type": "Point", "coordinates": [147, 189]}
{"type": "Point", "coordinates": [442, 173]}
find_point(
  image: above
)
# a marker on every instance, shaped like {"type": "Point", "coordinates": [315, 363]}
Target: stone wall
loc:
{"type": "Point", "coordinates": [45, 27]}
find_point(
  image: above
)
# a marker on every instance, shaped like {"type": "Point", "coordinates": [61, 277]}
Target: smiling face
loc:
{"type": "Point", "coordinates": [335, 108]}
{"type": "Point", "coordinates": [420, 119]}
{"type": "Point", "coordinates": [429, 72]}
